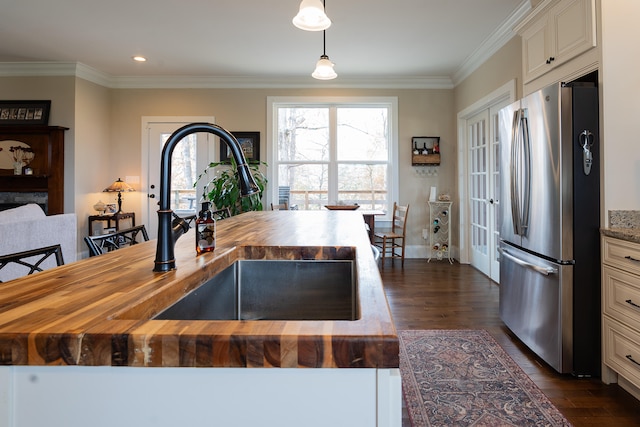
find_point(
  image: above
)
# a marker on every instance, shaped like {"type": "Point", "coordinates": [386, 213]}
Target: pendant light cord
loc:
{"type": "Point", "coordinates": [324, 43]}
{"type": "Point", "coordinates": [324, 32]}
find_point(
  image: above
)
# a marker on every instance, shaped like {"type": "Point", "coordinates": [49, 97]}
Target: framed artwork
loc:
{"type": "Point", "coordinates": [24, 112]}
{"type": "Point", "coordinates": [250, 143]}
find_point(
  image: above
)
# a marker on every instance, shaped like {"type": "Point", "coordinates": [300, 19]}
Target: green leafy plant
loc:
{"type": "Point", "coordinates": [224, 188]}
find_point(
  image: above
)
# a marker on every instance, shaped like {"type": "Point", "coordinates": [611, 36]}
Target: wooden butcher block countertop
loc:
{"type": "Point", "coordinates": [96, 311]}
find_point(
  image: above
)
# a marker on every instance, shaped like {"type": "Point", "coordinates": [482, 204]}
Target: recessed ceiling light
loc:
{"type": "Point", "coordinates": [139, 58]}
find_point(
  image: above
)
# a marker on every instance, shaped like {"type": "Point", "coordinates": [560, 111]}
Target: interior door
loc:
{"type": "Point", "coordinates": [479, 189]}
{"type": "Point", "coordinates": [484, 190]}
{"type": "Point", "coordinates": [190, 157]}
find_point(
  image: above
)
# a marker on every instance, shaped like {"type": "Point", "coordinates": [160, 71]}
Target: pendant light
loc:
{"type": "Point", "coordinates": [311, 16]}
{"type": "Point", "coordinates": [324, 67]}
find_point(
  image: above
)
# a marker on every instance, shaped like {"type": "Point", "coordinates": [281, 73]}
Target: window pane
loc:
{"type": "Point", "coordinates": [303, 134]}
{"type": "Point", "coordinates": [308, 185]}
{"type": "Point", "coordinates": [362, 134]}
{"type": "Point", "coordinates": [365, 185]}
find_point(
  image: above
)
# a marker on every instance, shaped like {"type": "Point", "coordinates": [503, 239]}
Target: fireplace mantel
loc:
{"type": "Point", "coordinates": [47, 166]}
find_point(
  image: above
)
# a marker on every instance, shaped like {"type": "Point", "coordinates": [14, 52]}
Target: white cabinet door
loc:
{"type": "Point", "coordinates": [536, 50]}
{"type": "Point", "coordinates": [554, 37]}
{"type": "Point", "coordinates": [573, 29]}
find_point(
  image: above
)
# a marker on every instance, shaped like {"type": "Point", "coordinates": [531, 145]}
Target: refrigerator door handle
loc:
{"type": "Point", "coordinates": [540, 269]}
{"type": "Point", "coordinates": [526, 144]}
{"type": "Point", "coordinates": [520, 172]}
{"type": "Point", "coordinates": [513, 173]}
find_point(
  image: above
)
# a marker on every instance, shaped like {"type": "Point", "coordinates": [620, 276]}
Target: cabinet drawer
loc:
{"type": "Point", "coordinates": [621, 254]}
{"type": "Point", "coordinates": [621, 296]}
{"type": "Point", "coordinates": [622, 350]}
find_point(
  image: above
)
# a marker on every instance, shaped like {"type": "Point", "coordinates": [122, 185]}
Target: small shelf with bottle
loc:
{"type": "Point", "coordinates": [440, 231]}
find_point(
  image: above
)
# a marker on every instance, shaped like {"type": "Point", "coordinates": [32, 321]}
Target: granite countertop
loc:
{"type": "Point", "coordinates": [628, 234]}
{"type": "Point", "coordinates": [97, 311]}
{"type": "Point", "coordinates": [623, 225]}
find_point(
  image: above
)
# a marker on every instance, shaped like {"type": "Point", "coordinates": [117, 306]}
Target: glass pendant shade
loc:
{"type": "Point", "coordinates": [311, 16]}
{"type": "Point", "coordinates": [324, 69]}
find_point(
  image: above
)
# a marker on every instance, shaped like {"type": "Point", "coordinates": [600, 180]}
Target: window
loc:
{"type": "Point", "coordinates": [330, 151]}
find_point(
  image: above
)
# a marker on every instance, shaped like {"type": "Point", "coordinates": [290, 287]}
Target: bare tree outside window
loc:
{"type": "Point", "coordinates": [333, 154]}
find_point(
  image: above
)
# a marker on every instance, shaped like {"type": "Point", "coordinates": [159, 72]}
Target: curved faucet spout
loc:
{"type": "Point", "coordinates": [167, 235]}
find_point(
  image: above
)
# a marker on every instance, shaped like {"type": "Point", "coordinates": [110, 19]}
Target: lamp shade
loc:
{"type": "Point", "coordinates": [119, 186]}
{"type": "Point", "coordinates": [311, 16]}
{"type": "Point", "coordinates": [324, 69]}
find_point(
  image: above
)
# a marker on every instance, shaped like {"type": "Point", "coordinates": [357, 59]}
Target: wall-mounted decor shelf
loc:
{"type": "Point", "coordinates": [425, 150]}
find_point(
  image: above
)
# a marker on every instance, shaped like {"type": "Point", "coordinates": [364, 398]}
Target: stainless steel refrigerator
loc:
{"type": "Point", "coordinates": [549, 220]}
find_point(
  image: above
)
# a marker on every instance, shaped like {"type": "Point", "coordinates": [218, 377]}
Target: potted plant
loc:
{"type": "Point", "coordinates": [224, 190]}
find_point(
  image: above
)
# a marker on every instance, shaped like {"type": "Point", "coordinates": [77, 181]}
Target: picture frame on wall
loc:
{"type": "Point", "coordinates": [24, 112]}
{"type": "Point", "coordinates": [250, 143]}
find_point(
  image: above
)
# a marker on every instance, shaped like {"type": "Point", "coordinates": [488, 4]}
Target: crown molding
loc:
{"type": "Point", "coordinates": [492, 44]}
{"type": "Point", "coordinates": [290, 82]}
{"type": "Point", "coordinates": [75, 69]}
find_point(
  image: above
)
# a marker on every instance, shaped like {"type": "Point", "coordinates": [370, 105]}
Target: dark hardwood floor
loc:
{"type": "Point", "coordinates": [438, 295]}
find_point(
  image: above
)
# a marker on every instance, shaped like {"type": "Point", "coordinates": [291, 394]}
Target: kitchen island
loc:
{"type": "Point", "coordinates": [79, 340]}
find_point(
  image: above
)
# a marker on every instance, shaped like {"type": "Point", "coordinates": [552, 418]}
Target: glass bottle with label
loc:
{"type": "Point", "coordinates": [205, 230]}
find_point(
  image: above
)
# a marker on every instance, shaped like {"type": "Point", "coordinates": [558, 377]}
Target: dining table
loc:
{"type": "Point", "coordinates": [369, 216]}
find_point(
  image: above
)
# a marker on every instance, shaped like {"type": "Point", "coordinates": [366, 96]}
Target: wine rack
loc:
{"type": "Point", "coordinates": [440, 231]}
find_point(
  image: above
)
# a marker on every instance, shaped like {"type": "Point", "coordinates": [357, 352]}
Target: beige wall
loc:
{"type": "Point", "coordinates": [104, 140]}
{"type": "Point", "coordinates": [92, 152]}
{"type": "Point", "coordinates": [503, 66]}
{"type": "Point", "coordinates": [421, 113]}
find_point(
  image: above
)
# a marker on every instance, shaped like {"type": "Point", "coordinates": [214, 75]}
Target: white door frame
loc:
{"type": "Point", "coordinates": [144, 167]}
{"type": "Point", "coordinates": [504, 92]}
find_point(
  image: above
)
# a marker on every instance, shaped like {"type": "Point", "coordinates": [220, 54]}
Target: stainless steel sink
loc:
{"type": "Point", "coordinates": [273, 290]}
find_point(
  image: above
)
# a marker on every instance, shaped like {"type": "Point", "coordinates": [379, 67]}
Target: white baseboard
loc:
{"type": "Point", "coordinates": [423, 251]}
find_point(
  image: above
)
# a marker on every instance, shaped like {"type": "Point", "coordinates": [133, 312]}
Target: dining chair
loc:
{"type": "Point", "coordinates": [391, 243]}
{"type": "Point", "coordinates": [33, 259]}
{"type": "Point", "coordinates": [281, 207]}
{"type": "Point", "coordinates": [221, 214]}
{"type": "Point", "coordinates": [117, 240]}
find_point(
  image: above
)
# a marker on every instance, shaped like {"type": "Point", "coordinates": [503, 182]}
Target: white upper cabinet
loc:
{"type": "Point", "coordinates": [554, 33]}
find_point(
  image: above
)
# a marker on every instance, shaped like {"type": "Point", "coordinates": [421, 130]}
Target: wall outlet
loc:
{"type": "Point", "coordinates": [425, 233]}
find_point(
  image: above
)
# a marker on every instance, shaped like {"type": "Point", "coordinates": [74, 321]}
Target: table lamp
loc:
{"type": "Point", "coordinates": [119, 186]}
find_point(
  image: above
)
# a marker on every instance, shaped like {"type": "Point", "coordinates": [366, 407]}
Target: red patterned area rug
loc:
{"type": "Point", "coordinates": [464, 378]}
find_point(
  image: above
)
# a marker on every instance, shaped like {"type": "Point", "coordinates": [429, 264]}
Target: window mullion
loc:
{"type": "Point", "coordinates": [333, 154]}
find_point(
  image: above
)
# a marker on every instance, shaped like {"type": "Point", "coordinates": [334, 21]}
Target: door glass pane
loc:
{"type": "Point", "coordinates": [183, 175]}
{"type": "Point", "coordinates": [478, 188]}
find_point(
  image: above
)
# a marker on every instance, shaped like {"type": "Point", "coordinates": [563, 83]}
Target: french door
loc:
{"type": "Point", "coordinates": [484, 182]}
{"type": "Point", "coordinates": [190, 157]}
